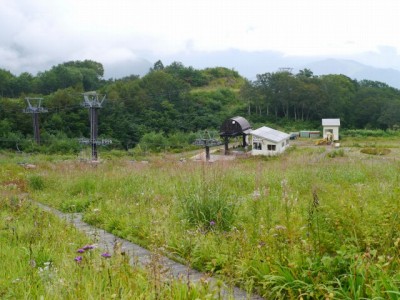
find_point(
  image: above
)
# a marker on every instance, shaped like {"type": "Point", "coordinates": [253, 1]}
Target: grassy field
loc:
{"type": "Point", "coordinates": [314, 223]}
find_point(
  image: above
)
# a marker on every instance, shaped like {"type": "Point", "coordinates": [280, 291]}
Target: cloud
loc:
{"type": "Point", "coordinates": [34, 35]}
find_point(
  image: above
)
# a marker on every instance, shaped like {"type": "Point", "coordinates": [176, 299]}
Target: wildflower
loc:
{"type": "Point", "coordinates": [280, 227]}
{"type": "Point", "coordinates": [261, 244]}
{"type": "Point", "coordinates": [256, 194]}
{"type": "Point", "coordinates": [81, 250]}
{"type": "Point", "coordinates": [106, 255]}
{"type": "Point", "coordinates": [212, 223]}
{"type": "Point", "coordinates": [87, 247]}
{"type": "Point", "coordinates": [78, 259]}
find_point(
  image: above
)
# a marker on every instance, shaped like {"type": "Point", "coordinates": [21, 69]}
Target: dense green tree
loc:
{"type": "Point", "coordinates": [308, 94]}
{"type": "Point", "coordinates": [6, 87]}
{"type": "Point", "coordinates": [84, 75]}
{"type": "Point", "coordinates": [12, 110]}
{"type": "Point", "coordinates": [158, 66]}
{"type": "Point", "coordinates": [306, 73]}
{"type": "Point", "coordinates": [247, 94]}
{"type": "Point", "coordinates": [87, 64]}
{"type": "Point", "coordinates": [24, 84]}
{"type": "Point", "coordinates": [277, 92]}
{"type": "Point", "coordinates": [390, 115]}
{"type": "Point", "coordinates": [189, 75]}
{"type": "Point", "coordinates": [337, 94]}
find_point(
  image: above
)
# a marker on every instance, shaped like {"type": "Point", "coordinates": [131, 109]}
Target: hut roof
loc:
{"type": "Point", "coordinates": [235, 126]}
{"type": "Point", "coordinates": [330, 122]}
{"type": "Point", "coordinates": [270, 134]}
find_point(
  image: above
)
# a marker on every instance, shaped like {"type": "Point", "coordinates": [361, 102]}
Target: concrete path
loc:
{"type": "Point", "coordinates": [142, 256]}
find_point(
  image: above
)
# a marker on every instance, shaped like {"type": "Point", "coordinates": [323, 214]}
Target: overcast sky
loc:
{"type": "Point", "coordinates": [37, 34]}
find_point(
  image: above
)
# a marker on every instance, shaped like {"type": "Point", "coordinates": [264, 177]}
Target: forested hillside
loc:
{"type": "Point", "coordinates": [175, 99]}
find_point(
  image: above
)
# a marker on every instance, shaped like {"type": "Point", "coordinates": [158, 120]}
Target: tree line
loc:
{"type": "Point", "coordinates": [305, 97]}
{"type": "Point", "coordinates": [175, 99]}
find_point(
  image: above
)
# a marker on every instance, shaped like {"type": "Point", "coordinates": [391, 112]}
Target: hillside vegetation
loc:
{"type": "Point", "coordinates": [175, 100]}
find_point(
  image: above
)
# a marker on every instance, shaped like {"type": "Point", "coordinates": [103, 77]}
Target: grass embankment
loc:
{"type": "Point", "coordinates": [305, 224]}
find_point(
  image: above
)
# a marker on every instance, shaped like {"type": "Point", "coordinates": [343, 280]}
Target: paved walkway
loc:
{"type": "Point", "coordinates": [142, 256]}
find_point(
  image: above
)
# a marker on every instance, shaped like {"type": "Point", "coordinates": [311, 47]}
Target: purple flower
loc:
{"type": "Point", "coordinates": [212, 223]}
{"type": "Point", "coordinates": [88, 247]}
{"type": "Point", "coordinates": [106, 255]}
{"type": "Point", "coordinates": [81, 250]}
{"type": "Point", "coordinates": [78, 259]}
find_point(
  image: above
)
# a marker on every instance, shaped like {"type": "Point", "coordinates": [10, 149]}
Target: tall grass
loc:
{"type": "Point", "coordinates": [300, 225]}
{"type": "Point", "coordinates": [43, 258]}
{"type": "Point", "coordinates": [208, 206]}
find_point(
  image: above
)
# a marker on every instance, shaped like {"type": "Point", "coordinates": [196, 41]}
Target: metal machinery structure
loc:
{"type": "Point", "coordinates": [207, 140]}
{"type": "Point", "coordinates": [91, 100]}
{"type": "Point", "coordinates": [285, 69]}
{"type": "Point", "coordinates": [35, 108]}
{"type": "Point", "coordinates": [234, 127]}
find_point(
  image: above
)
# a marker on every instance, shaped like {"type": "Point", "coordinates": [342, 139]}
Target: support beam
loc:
{"type": "Point", "coordinates": [93, 112]}
{"type": "Point", "coordinates": [35, 108]}
{"type": "Point", "coordinates": [226, 143]}
{"type": "Point", "coordinates": [91, 100]}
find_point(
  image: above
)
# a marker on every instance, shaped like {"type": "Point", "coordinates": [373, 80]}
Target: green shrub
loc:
{"type": "Point", "coordinates": [158, 142]}
{"type": "Point", "coordinates": [75, 205]}
{"type": "Point", "coordinates": [36, 182]}
{"type": "Point", "coordinates": [153, 141]}
{"type": "Point", "coordinates": [69, 146]}
{"type": "Point", "coordinates": [375, 151]}
{"type": "Point", "coordinates": [369, 133]}
{"type": "Point", "coordinates": [336, 153]}
{"type": "Point", "coordinates": [83, 186]}
{"type": "Point", "coordinates": [209, 208]}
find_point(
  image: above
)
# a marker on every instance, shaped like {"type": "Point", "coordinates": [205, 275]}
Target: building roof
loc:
{"type": "Point", "coordinates": [242, 121]}
{"type": "Point", "coordinates": [270, 134]}
{"type": "Point", "coordinates": [235, 126]}
{"type": "Point", "coordinates": [330, 122]}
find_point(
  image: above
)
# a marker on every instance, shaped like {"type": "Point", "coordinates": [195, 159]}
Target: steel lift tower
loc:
{"type": "Point", "coordinates": [92, 101]}
{"type": "Point", "coordinates": [35, 108]}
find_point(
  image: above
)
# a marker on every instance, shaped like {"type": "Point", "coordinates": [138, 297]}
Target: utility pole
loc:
{"type": "Point", "coordinates": [91, 100]}
{"type": "Point", "coordinates": [35, 108]}
{"type": "Point", "coordinates": [207, 141]}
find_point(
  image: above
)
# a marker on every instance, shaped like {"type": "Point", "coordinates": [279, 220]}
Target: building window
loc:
{"type": "Point", "coordinates": [271, 147]}
{"type": "Point", "coordinates": [257, 146]}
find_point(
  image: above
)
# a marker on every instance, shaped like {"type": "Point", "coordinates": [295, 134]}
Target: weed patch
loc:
{"type": "Point", "coordinates": [336, 153]}
{"type": "Point", "coordinates": [209, 207]}
{"type": "Point", "coordinates": [375, 151]}
{"type": "Point", "coordinates": [36, 182]}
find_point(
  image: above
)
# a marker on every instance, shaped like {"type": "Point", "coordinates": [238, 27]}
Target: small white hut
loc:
{"type": "Point", "coordinates": [331, 127]}
{"type": "Point", "coordinates": [268, 141]}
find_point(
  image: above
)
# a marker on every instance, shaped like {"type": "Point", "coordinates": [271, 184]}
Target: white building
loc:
{"type": "Point", "coordinates": [331, 126]}
{"type": "Point", "coordinates": [268, 141]}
